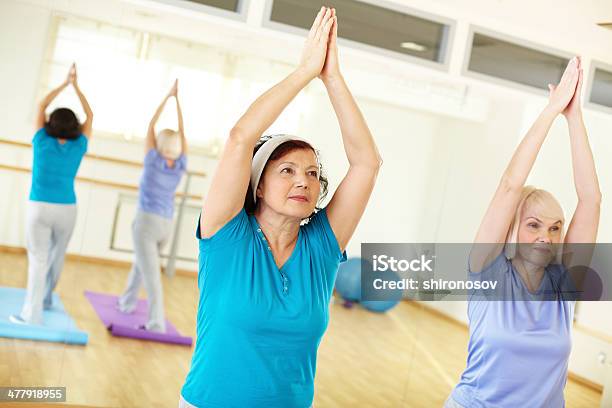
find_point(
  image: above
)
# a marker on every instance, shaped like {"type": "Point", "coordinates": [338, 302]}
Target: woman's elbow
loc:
{"type": "Point", "coordinates": [376, 162]}
{"type": "Point", "coordinates": [379, 161]}
{"type": "Point", "coordinates": [597, 197]}
{"type": "Point", "coordinates": [593, 198]}
{"type": "Point", "coordinates": [508, 185]}
{"type": "Point", "coordinates": [371, 166]}
{"type": "Point", "coordinates": [237, 135]}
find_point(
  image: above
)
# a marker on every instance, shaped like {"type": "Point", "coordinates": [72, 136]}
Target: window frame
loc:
{"type": "Point", "coordinates": [210, 149]}
{"type": "Point", "coordinates": [466, 72]}
{"type": "Point", "coordinates": [239, 15]}
{"type": "Point", "coordinates": [588, 86]}
{"type": "Point", "coordinates": [446, 47]}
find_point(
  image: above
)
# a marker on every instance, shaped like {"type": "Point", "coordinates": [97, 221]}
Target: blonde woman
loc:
{"type": "Point", "coordinates": [518, 349]}
{"type": "Point", "coordinates": [165, 163]}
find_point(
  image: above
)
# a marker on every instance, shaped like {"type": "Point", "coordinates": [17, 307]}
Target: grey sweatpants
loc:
{"type": "Point", "coordinates": [150, 232]}
{"type": "Point", "coordinates": [49, 227]}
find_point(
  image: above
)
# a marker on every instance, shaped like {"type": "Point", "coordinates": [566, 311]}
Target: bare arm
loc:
{"type": "Point", "coordinates": [86, 126]}
{"type": "Point", "coordinates": [179, 113]}
{"type": "Point", "coordinates": [181, 127]}
{"type": "Point", "coordinates": [231, 180]}
{"type": "Point", "coordinates": [41, 116]}
{"type": "Point", "coordinates": [349, 201]}
{"type": "Point", "coordinates": [585, 221]}
{"type": "Point", "coordinates": [498, 217]}
{"type": "Point", "coordinates": [150, 140]}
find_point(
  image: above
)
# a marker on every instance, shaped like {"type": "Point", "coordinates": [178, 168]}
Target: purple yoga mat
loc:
{"type": "Point", "coordinates": [125, 325]}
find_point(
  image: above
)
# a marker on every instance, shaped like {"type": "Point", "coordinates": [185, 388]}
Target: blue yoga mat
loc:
{"type": "Point", "coordinates": [57, 325]}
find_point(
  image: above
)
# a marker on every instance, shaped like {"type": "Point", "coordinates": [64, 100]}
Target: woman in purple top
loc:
{"type": "Point", "coordinates": [519, 348]}
{"type": "Point", "coordinates": [164, 164]}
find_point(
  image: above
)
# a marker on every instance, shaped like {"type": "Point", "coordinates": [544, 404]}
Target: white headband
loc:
{"type": "Point", "coordinates": [263, 154]}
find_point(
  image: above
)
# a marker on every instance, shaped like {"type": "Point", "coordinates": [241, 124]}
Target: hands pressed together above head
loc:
{"type": "Point", "coordinates": [564, 97]}
{"type": "Point", "coordinates": [320, 53]}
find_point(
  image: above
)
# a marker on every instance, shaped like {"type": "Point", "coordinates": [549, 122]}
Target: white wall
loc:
{"type": "Point", "coordinates": [22, 48]}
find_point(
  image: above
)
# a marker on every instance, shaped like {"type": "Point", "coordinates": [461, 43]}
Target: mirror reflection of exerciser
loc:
{"type": "Point", "coordinates": [58, 148]}
{"type": "Point", "coordinates": [165, 163]}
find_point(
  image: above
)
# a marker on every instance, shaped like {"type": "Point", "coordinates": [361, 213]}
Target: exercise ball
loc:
{"type": "Point", "coordinates": [379, 306]}
{"type": "Point", "coordinates": [348, 285]}
{"type": "Point", "coordinates": [381, 301]}
{"type": "Point", "coordinates": [348, 281]}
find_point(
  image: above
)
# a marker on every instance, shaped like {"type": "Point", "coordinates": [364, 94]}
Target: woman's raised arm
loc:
{"type": "Point", "coordinates": [41, 115]}
{"type": "Point", "coordinates": [493, 229]}
{"type": "Point", "coordinates": [350, 198]}
{"type": "Point", "coordinates": [231, 179]}
{"type": "Point", "coordinates": [87, 125]}
{"type": "Point", "coordinates": [585, 221]}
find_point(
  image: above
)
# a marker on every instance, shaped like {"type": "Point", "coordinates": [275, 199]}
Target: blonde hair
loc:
{"type": "Point", "coordinates": [168, 143]}
{"type": "Point", "coordinates": [544, 204]}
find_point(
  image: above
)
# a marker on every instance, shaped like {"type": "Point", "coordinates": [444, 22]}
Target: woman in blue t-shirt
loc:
{"type": "Point", "coordinates": [520, 337]}
{"type": "Point", "coordinates": [265, 278]}
{"type": "Point", "coordinates": [58, 147]}
{"type": "Point", "coordinates": [164, 164]}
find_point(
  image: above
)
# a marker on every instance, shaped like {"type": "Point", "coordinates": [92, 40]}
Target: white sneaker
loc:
{"type": "Point", "coordinates": [155, 329]}
{"type": "Point", "coordinates": [124, 309]}
{"type": "Point", "coordinates": [17, 319]}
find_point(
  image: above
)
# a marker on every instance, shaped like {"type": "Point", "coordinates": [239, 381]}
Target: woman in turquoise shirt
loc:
{"type": "Point", "coordinates": [519, 348]}
{"type": "Point", "coordinates": [265, 279]}
{"type": "Point", "coordinates": [58, 147]}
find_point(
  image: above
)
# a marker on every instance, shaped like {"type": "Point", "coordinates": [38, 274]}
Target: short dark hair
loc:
{"type": "Point", "coordinates": [63, 124]}
{"type": "Point", "coordinates": [280, 151]}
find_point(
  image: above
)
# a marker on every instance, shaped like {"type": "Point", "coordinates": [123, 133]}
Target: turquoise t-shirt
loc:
{"type": "Point", "coordinates": [54, 168]}
{"type": "Point", "coordinates": [519, 348]}
{"type": "Point", "coordinates": [258, 327]}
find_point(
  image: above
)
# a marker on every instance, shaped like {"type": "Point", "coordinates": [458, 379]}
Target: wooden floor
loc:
{"type": "Point", "coordinates": [408, 357]}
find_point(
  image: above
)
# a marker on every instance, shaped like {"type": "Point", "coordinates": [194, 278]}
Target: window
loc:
{"type": "Point", "coordinates": [373, 25]}
{"type": "Point", "coordinates": [601, 88]}
{"type": "Point", "coordinates": [513, 62]}
{"type": "Point", "coordinates": [230, 5]}
{"type": "Point", "coordinates": [125, 74]}
{"type": "Point", "coordinates": [225, 8]}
